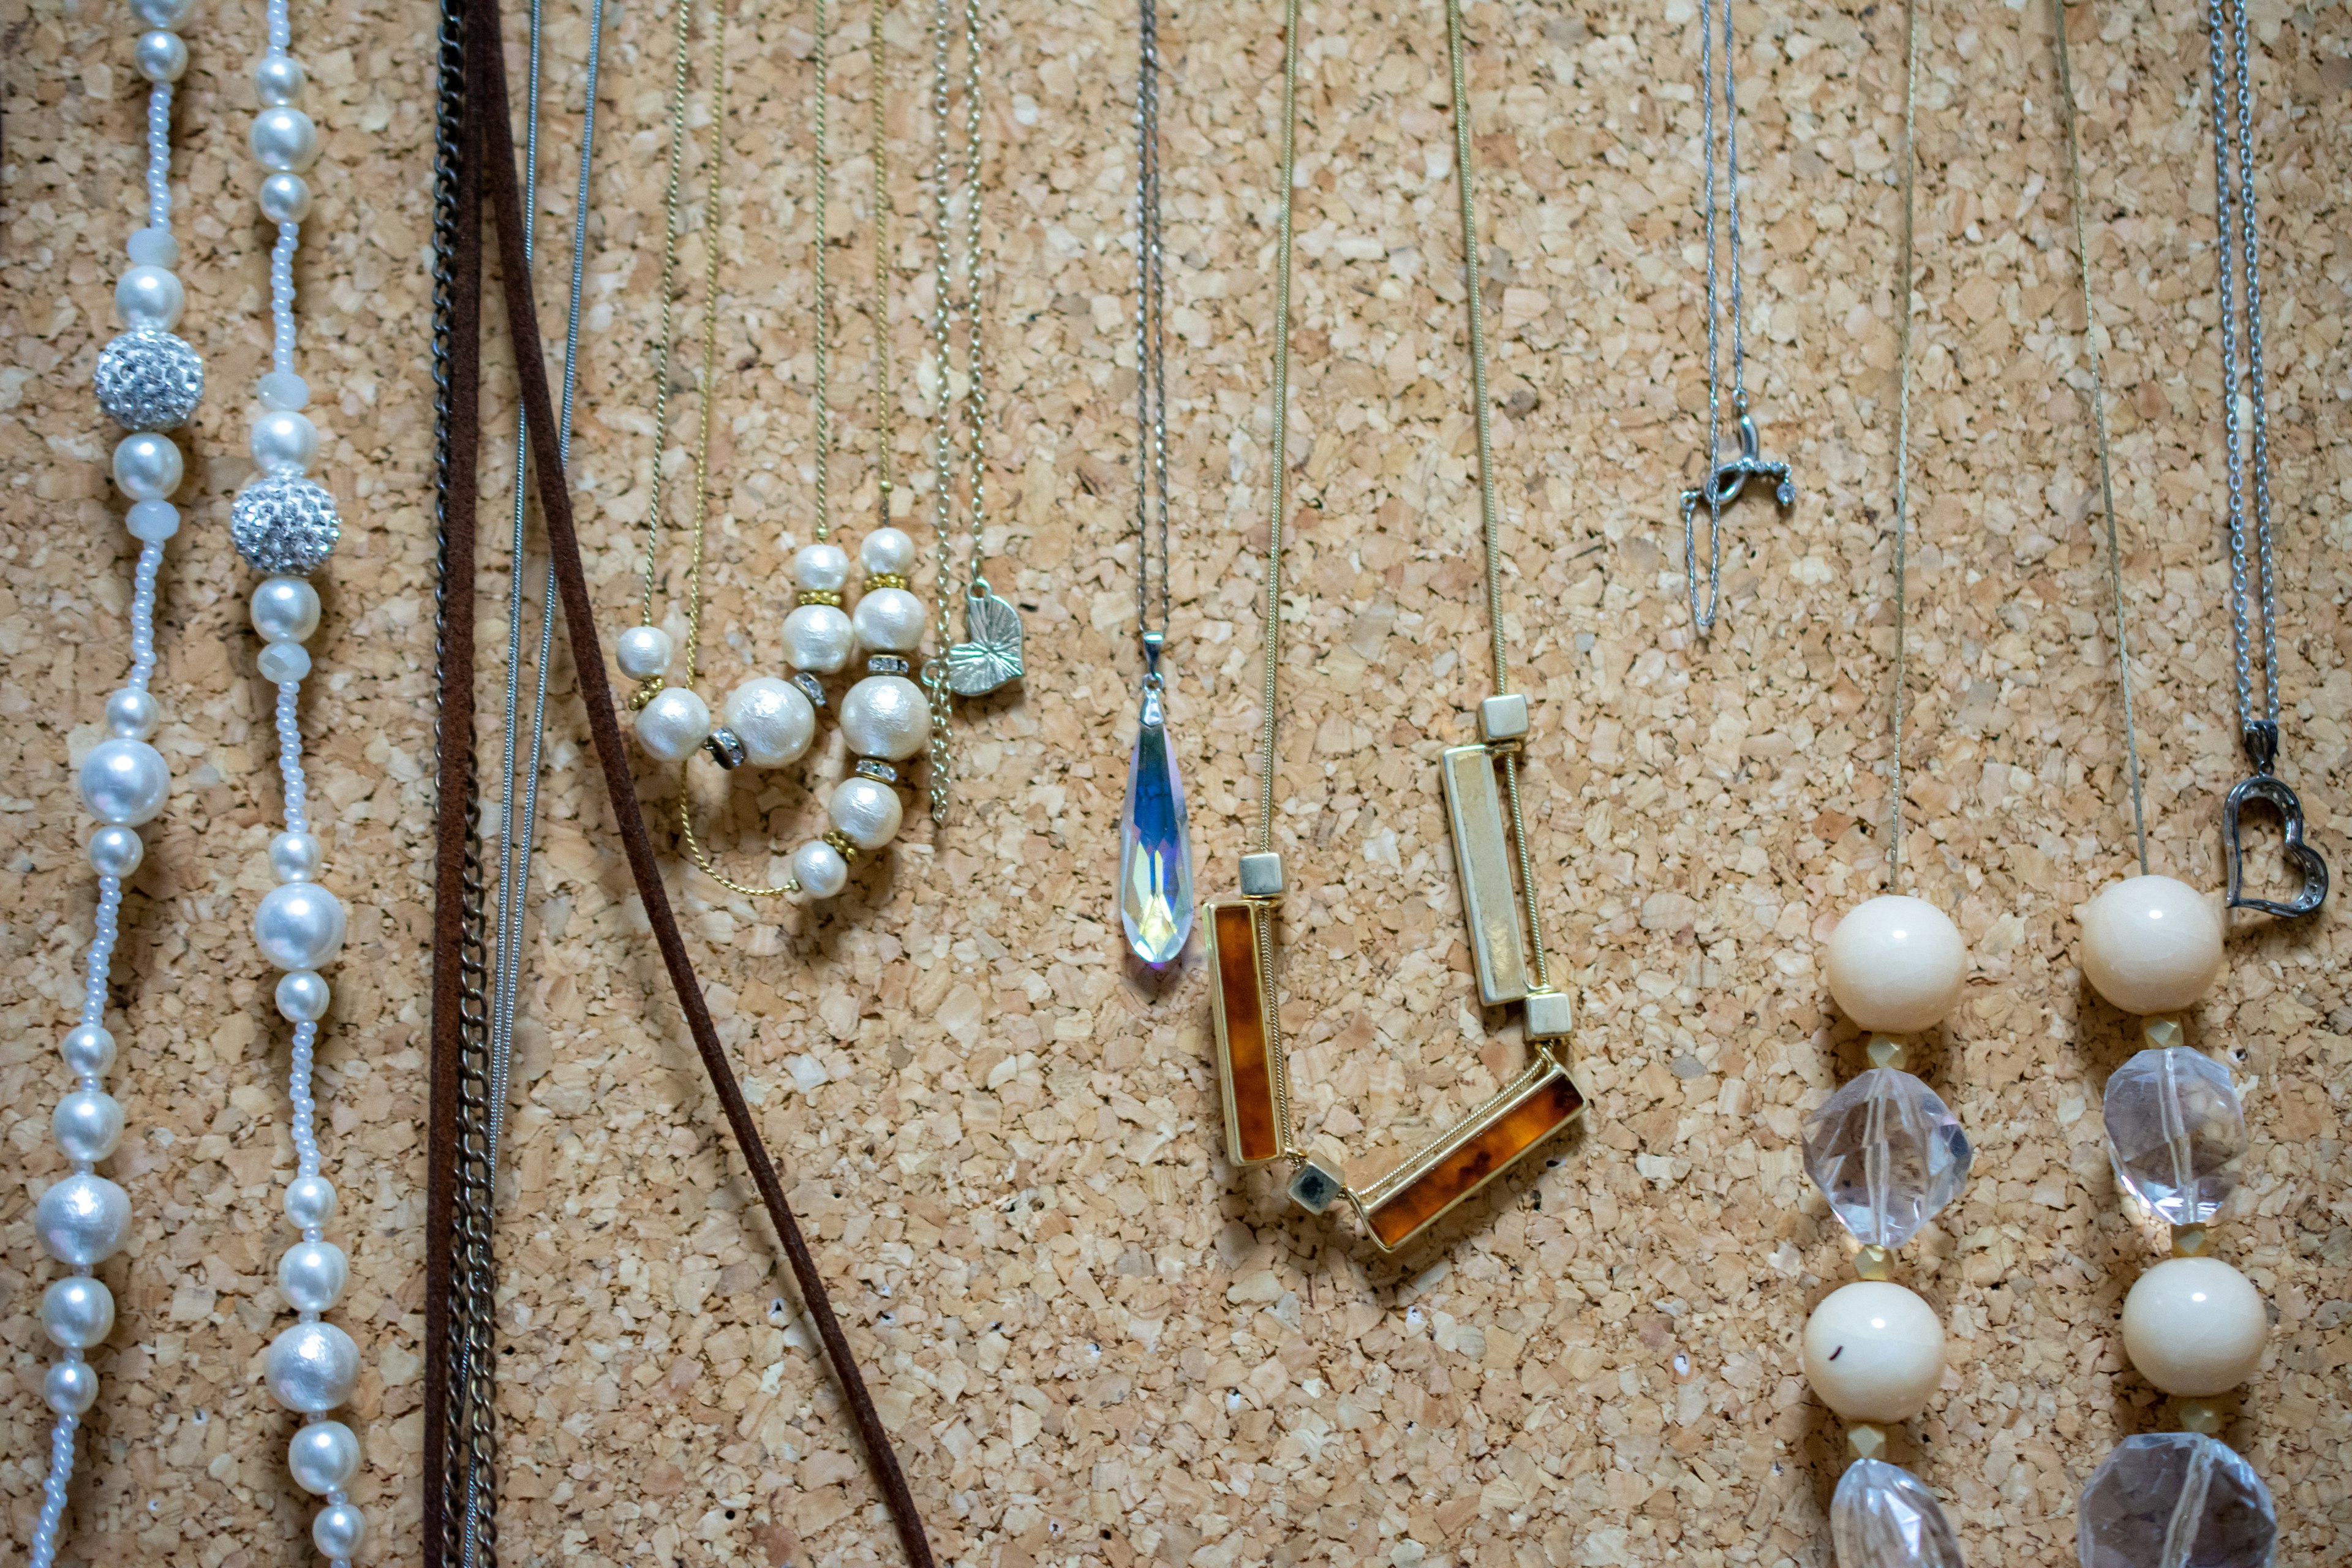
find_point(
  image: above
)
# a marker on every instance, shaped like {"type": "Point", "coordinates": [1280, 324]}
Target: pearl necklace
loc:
{"type": "Point", "coordinates": [149, 381]}
{"type": "Point", "coordinates": [285, 524]}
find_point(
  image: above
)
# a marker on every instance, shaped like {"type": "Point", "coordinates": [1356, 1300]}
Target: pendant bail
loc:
{"type": "Point", "coordinates": [2260, 739]}
{"type": "Point", "coordinates": [1153, 642]}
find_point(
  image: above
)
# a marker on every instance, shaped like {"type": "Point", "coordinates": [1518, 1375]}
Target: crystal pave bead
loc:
{"type": "Point", "coordinates": [1155, 844]}
{"type": "Point", "coordinates": [2175, 1497]}
{"type": "Point", "coordinates": [1888, 1154]}
{"type": "Point", "coordinates": [1884, 1516]}
{"type": "Point", "coordinates": [2174, 1124]}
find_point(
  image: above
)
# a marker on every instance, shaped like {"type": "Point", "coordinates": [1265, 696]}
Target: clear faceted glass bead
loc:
{"type": "Point", "coordinates": [1155, 844]}
{"type": "Point", "coordinates": [2177, 1498]}
{"type": "Point", "coordinates": [1888, 1154]}
{"type": "Point", "coordinates": [1884, 1516]}
{"type": "Point", "coordinates": [2174, 1125]}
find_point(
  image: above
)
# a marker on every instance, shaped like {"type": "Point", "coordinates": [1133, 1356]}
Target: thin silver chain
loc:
{"type": "Point", "coordinates": [1703, 617]}
{"type": "Point", "coordinates": [1150, 356]}
{"type": "Point", "coordinates": [946, 449]}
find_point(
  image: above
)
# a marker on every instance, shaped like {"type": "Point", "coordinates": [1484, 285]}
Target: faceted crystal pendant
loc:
{"type": "Point", "coordinates": [2177, 1498]}
{"type": "Point", "coordinates": [2174, 1124]}
{"type": "Point", "coordinates": [1155, 846]}
{"type": "Point", "coordinates": [1888, 1154]}
{"type": "Point", "coordinates": [1884, 1516]}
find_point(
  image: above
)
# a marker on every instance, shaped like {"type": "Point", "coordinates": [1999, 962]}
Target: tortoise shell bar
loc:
{"type": "Point", "coordinates": [1245, 1067]}
{"type": "Point", "coordinates": [1482, 1147]}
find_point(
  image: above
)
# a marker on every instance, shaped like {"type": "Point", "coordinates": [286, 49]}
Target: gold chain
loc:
{"type": "Point", "coordinates": [885, 458]}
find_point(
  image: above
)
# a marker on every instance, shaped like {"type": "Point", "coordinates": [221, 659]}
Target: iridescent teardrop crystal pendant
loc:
{"type": "Point", "coordinates": [1155, 842]}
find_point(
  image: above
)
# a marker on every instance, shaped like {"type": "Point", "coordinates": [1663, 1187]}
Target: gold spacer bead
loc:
{"type": "Point", "coordinates": [2162, 1034]}
{"type": "Point", "coordinates": [842, 847]}
{"type": "Point", "coordinates": [885, 580]}
{"type": "Point", "coordinates": [820, 596]}
{"type": "Point", "coordinates": [2188, 1240]}
{"type": "Point", "coordinates": [1874, 1263]}
{"type": "Point", "coordinates": [1886, 1051]}
{"type": "Point", "coordinates": [1867, 1440]}
{"type": "Point", "coordinates": [2202, 1417]}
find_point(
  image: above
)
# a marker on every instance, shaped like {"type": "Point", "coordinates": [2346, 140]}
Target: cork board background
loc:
{"type": "Point", "coordinates": [1095, 1340]}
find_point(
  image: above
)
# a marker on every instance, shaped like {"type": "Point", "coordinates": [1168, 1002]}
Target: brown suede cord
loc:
{"type": "Point", "coordinates": [491, 150]}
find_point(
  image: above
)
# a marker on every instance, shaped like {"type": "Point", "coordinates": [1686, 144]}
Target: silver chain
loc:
{"type": "Point", "coordinates": [1151, 355]}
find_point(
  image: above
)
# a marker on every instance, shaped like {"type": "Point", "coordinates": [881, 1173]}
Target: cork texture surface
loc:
{"type": "Point", "coordinates": [1094, 1340]}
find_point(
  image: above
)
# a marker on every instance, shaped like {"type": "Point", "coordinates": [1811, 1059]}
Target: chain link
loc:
{"type": "Point", "coordinates": [1911, 23]}
{"type": "Point", "coordinates": [1705, 618]}
{"type": "Point", "coordinates": [1150, 355]}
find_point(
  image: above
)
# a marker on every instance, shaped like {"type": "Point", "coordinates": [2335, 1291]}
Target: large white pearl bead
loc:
{"type": "Point", "coordinates": [125, 782]}
{"type": "Point", "coordinates": [295, 857]}
{"type": "Point", "coordinates": [887, 550]}
{"type": "Point", "coordinates": [821, 568]}
{"type": "Point", "coordinates": [311, 1367]}
{"type": "Point", "coordinates": [886, 716]}
{"type": "Point", "coordinates": [312, 1274]}
{"type": "Point", "coordinates": [303, 996]}
{"type": "Point", "coordinates": [279, 79]}
{"type": "Point", "coordinates": [818, 638]}
{"type": "Point", "coordinates": [773, 719]}
{"type": "Point", "coordinates": [148, 467]}
{"type": "Point", "coordinates": [77, 1312]}
{"type": "Point", "coordinates": [643, 652]}
{"type": "Point", "coordinates": [286, 198]}
{"type": "Point", "coordinates": [72, 1387]}
{"type": "Point", "coordinates": [1895, 963]}
{"type": "Point", "coordinates": [284, 440]}
{"type": "Point", "coordinates": [324, 1457]}
{"type": "Point", "coordinates": [866, 812]}
{"type": "Point", "coordinates": [309, 1201]}
{"type": "Point", "coordinates": [819, 868]}
{"type": "Point", "coordinates": [81, 1220]}
{"type": "Point", "coordinates": [338, 1531]}
{"type": "Point", "coordinates": [284, 140]}
{"type": "Point", "coordinates": [150, 297]}
{"type": "Point", "coordinates": [285, 609]}
{"type": "Point", "coordinates": [2195, 1326]}
{"type": "Point", "coordinates": [1874, 1352]}
{"type": "Point", "coordinates": [298, 925]}
{"type": "Point", "coordinates": [673, 724]}
{"type": "Point", "coordinates": [116, 851]}
{"type": "Point", "coordinates": [162, 55]}
{"type": "Point", "coordinates": [88, 1050]}
{"type": "Point", "coordinates": [2151, 944]}
{"type": "Point", "coordinates": [87, 1124]}
{"type": "Point", "coordinates": [889, 620]}
{"type": "Point", "coordinates": [132, 714]}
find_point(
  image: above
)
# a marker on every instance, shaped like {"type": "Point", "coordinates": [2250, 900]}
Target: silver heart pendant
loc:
{"type": "Point", "coordinates": [2264, 790]}
{"type": "Point", "coordinates": [989, 655]}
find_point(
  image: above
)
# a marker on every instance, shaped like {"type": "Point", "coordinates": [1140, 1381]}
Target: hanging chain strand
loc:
{"type": "Point", "coordinates": [823, 351]}
{"type": "Point", "coordinates": [1911, 23]}
{"type": "Point", "coordinates": [1703, 617]}
{"type": "Point", "coordinates": [885, 479]}
{"type": "Point", "coordinates": [1279, 472]}
{"type": "Point", "coordinates": [2067, 111]}
{"type": "Point", "coordinates": [699, 510]}
{"type": "Point", "coordinates": [670, 207]}
{"type": "Point", "coordinates": [945, 162]}
{"type": "Point", "coordinates": [1150, 356]}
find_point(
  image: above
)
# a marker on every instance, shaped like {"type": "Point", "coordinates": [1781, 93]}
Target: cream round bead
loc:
{"type": "Point", "coordinates": [1894, 963]}
{"type": "Point", "coordinates": [886, 716]}
{"type": "Point", "coordinates": [866, 812]}
{"type": "Point", "coordinates": [2195, 1326]}
{"type": "Point", "coordinates": [773, 719]}
{"type": "Point", "coordinates": [643, 652]}
{"type": "Point", "coordinates": [818, 638]}
{"type": "Point", "coordinates": [821, 568]}
{"type": "Point", "coordinates": [886, 550]}
{"type": "Point", "coordinates": [2151, 944]}
{"type": "Point", "coordinates": [673, 724]}
{"type": "Point", "coordinates": [1874, 1352]}
{"type": "Point", "coordinates": [889, 620]}
{"type": "Point", "coordinates": [819, 868]}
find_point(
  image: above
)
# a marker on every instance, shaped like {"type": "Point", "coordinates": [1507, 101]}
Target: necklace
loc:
{"type": "Point", "coordinates": [2192, 1325]}
{"type": "Point", "coordinates": [1252, 1064]}
{"type": "Point", "coordinates": [885, 717]}
{"type": "Point", "coordinates": [1725, 478]}
{"type": "Point", "coordinates": [1155, 842]}
{"type": "Point", "coordinates": [1885, 1151]}
{"type": "Point", "coordinates": [149, 382]}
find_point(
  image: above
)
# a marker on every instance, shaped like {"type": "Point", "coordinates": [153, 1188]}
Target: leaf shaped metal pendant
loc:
{"type": "Point", "coordinates": [989, 655]}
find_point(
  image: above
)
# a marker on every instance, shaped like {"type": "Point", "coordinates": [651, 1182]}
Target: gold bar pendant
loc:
{"type": "Point", "coordinates": [1485, 1144]}
{"type": "Point", "coordinates": [1238, 943]}
{"type": "Point", "coordinates": [1474, 808]}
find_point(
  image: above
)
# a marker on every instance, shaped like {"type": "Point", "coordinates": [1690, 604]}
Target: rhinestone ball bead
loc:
{"type": "Point", "coordinates": [285, 523]}
{"type": "Point", "coordinates": [149, 379]}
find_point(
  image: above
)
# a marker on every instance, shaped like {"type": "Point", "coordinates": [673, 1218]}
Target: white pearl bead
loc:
{"type": "Point", "coordinates": [81, 1220]}
{"type": "Point", "coordinates": [773, 719]}
{"type": "Point", "coordinates": [160, 13]}
{"type": "Point", "coordinates": [886, 716]}
{"type": "Point", "coordinates": [283, 388]}
{"type": "Point", "coordinates": [298, 925]}
{"type": "Point", "coordinates": [285, 609]}
{"type": "Point", "coordinates": [282, 663]}
{"type": "Point", "coordinates": [310, 1202]}
{"type": "Point", "coordinates": [312, 1275]}
{"type": "Point", "coordinates": [821, 568]}
{"type": "Point", "coordinates": [162, 55]}
{"type": "Point", "coordinates": [2195, 1326]}
{"type": "Point", "coordinates": [673, 724]}
{"type": "Point", "coordinates": [152, 521]}
{"type": "Point", "coordinates": [150, 297]}
{"type": "Point", "coordinates": [125, 782]}
{"type": "Point", "coordinates": [72, 1387]}
{"type": "Point", "coordinates": [148, 467]}
{"type": "Point", "coordinates": [889, 620]}
{"type": "Point", "coordinates": [295, 857]}
{"type": "Point", "coordinates": [887, 550]}
{"type": "Point", "coordinates": [1874, 1352]}
{"type": "Point", "coordinates": [87, 1124]}
{"type": "Point", "coordinates": [643, 652]}
{"type": "Point", "coordinates": [311, 1367]}
{"type": "Point", "coordinates": [324, 1457]}
{"type": "Point", "coordinates": [819, 868]}
{"type": "Point", "coordinates": [116, 851]}
{"type": "Point", "coordinates": [339, 1530]}
{"type": "Point", "coordinates": [303, 996]}
{"type": "Point", "coordinates": [286, 198]}
{"type": "Point", "coordinates": [88, 1050]}
{"type": "Point", "coordinates": [282, 440]}
{"type": "Point", "coordinates": [1895, 963]}
{"type": "Point", "coordinates": [153, 248]}
{"type": "Point", "coordinates": [866, 812]}
{"type": "Point", "coordinates": [284, 140]}
{"type": "Point", "coordinates": [818, 638]}
{"type": "Point", "coordinates": [277, 79]}
{"type": "Point", "coordinates": [132, 714]}
{"type": "Point", "coordinates": [77, 1312]}
{"type": "Point", "coordinates": [2151, 944]}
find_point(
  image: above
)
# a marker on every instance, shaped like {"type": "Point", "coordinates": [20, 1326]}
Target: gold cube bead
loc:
{"type": "Point", "coordinates": [2200, 1416]}
{"type": "Point", "coordinates": [1886, 1051]}
{"type": "Point", "coordinates": [2163, 1034]}
{"type": "Point", "coordinates": [1503, 718]}
{"type": "Point", "coordinates": [2188, 1240]}
{"type": "Point", "coordinates": [1261, 875]}
{"type": "Point", "coordinates": [1551, 1014]}
{"type": "Point", "coordinates": [1867, 1441]}
{"type": "Point", "coordinates": [1874, 1263]}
